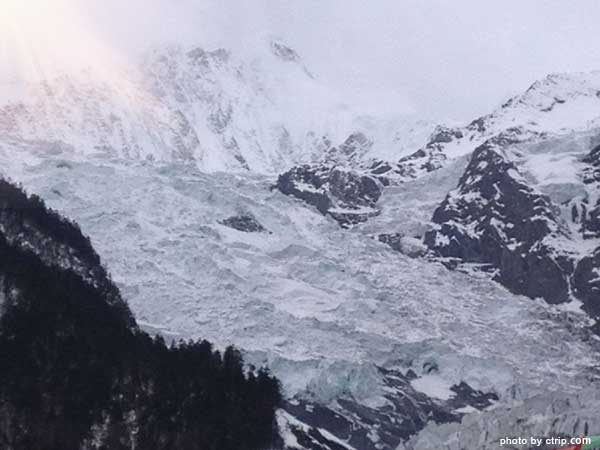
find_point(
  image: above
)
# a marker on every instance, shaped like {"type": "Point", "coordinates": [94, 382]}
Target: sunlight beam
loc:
{"type": "Point", "coordinates": [40, 38]}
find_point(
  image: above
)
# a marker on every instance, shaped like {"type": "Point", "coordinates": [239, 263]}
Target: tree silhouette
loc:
{"type": "Point", "coordinates": [76, 369]}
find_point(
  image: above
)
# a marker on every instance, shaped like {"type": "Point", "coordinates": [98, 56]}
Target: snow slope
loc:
{"type": "Point", "coordinates": [260, 111]}
{"type": "Point", "coordinates": [557, 105]}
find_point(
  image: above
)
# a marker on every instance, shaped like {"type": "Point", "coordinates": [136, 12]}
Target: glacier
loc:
{"type": "Point", "coordinates": [323, 307]}
{"type": "Point", "coordinates": [157, 164]}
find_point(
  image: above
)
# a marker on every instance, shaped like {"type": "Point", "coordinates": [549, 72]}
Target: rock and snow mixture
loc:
{"type": "Point", "coordinates": [225, 210]}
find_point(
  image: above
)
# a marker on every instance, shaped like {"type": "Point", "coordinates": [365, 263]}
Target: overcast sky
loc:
{"type": "Point", "coordinates": [451, 59]}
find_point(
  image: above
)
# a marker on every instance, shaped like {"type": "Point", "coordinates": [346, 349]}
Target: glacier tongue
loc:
{"type": "Point", "coordinates": [322, 306]}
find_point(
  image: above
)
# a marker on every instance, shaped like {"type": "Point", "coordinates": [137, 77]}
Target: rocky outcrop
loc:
{"type": "Point", "coordinates": [427, 159]}
{"type": "Point", "coordinates": [592, 173]}
{"type": "Point", "coordinates": [586, 277]}
{"type": "Point", "coordinates": [422, 161]}
{"type": "Point", "coordinates": [496, 218]}
{"type": "Point", "coordinates": [351, 152]}
{"type": "Point", "coordinates": [284, 52]}
{"type": "Point", "coordinates": [366, 428]}
{"type": "Point", "coordinates": [434, 154]}
{"type": "Point", "coordinates": [244, 222]}
{"type": "Point", "coordinates": [347, 196]}
{"type": "Point", "coordinates": [588, 212]}
{"type": "Point", "coordinates": [586, 282]}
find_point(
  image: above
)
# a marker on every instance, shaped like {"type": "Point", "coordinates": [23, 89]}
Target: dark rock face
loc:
{"type": "Point", "coordinates": [432, 156]}
{"type": "Point", "coordinates": [467, 396]}
{"type": "Point", "coordinates": [443, 135]}
{"type": "Point", "coordinates": [589, 214]}
{"type": "Point", "coordinates": [586, 283]}
{"type": "Point", "coordinates": [494, 217]}
{"type": "Point", "coordinates": [306, 183]}
{"type": "Point", "coordinates": [355, 145]}
{"type": "Point", "coordinates": [429, 158]}
{"type": "Point", "coordinates": [586, 277]}
{"type": "Point", "coordinates": [245, 223]}
{"type": "Point", "coordinates": [284, 52]}
{"type": "Point", "coordinates": [366, 428]}
{"type": "Point", "coordinates": [380, 167]}
{"type": "Point", "coordinates": [345, 195]}
{"type": "Point", "coordinates": [478, 125]}
{"type": "Point", "coordinates": [350, 152]}
{"type": "Point", "coordinates": [354, 189]}
{"type": "Point", "coordinates": [424, 160]}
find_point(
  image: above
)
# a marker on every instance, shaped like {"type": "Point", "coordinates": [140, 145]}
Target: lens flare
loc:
{"type": "Point", "coordinates": [40, 37]}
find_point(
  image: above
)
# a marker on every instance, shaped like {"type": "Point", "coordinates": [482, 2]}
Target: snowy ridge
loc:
{"type": "Point", "coordinates": [262, 112]}
{"type": "Point", "coordinates": [557, 105]}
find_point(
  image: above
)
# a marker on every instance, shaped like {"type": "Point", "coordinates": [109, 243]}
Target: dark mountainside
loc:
{"type": "Point", "coordinates": [495, 218]}
{"type": "Point", "coordinates": [76, 372]}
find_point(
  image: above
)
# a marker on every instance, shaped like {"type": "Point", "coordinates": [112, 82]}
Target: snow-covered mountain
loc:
{"type": "Point", "coordinates": [525, 210]}
{"type": "Point", "coordinates": [262, 112]}
{"type": "Point", "coordinates": [557, 105]}
{"type": "Point", "coordinates": [214, 188]}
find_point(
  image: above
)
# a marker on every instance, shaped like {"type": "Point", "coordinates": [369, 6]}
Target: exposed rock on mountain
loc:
{"type": "Point", "coordinates": [558, 104]}
{"type": "Point", "coordinates": [429, 158]}
{"type": "Point", "coordinates": [494, 217]}
{"type": "Point", "coordinates": [216, 109]}
{"type": "Point", "coordinates": [351, 152]}
{"type": "Point", "coordinates": [586, 282]}
{"type": "Point", "coordinates": [587, 212]}
{"type": "Point", "coordinates": [244, 222]}
{"type": "Point", "coordinates": [406, 411]}
{"type": "Point", "coordinates": [343, 194]}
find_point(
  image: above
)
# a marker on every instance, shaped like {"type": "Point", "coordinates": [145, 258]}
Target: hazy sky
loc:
{"type": "Point", "coordinates": [442, 58]}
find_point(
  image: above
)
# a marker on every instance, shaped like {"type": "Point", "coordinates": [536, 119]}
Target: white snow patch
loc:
{"type": "Point", "coordinates": [433, 386]}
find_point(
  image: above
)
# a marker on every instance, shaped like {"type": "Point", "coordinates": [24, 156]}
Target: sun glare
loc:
{"type": "Point", "coordinates": [40, 37]}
